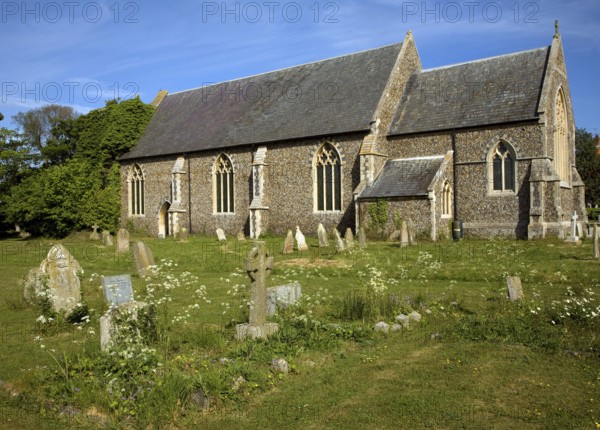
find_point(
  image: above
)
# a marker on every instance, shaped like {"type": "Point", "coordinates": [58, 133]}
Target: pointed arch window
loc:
{"type": "Point", "coordinates": [561, 152]}
{"type": "Point", "coordinates": [223, 185]}
{"type": "Point", "coordinates": [503, 168]}
{"type": "Point", "coordinates": [136, 190]}
{"type": "Point", "coordinates": [328, 179]}
{"type": "Point", "coordinates": [446, 200]}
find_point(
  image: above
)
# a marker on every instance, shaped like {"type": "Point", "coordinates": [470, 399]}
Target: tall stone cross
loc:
{"type": "Point", "coordinates": [258, 265]}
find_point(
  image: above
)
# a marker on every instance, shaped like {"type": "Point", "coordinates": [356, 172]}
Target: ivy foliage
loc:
{"type": "Point", "coordinates": [79, 184]}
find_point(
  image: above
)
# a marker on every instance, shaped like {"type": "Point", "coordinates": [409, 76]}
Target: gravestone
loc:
{"type": "Point", "coordinates": [117, 289]}
{"type": "Point", "coordinates": [404, 239]}
{"type": "Point", "coordinates": [301, 240]}
{"type": "Point", "coordinates": [122, 240]}
{"type": "Point", "coordinates": [241, 237]}
{"type": "Point", "coordinates": [596, 252]}
{"type": "Point", "coordinates": [221, 235]}
{"type": "Point", "coordinates": [395, 236]}
{"type": "Point", "coordinates": [283, 296]}
{"type": "Point", "coordinates": [349, 238]}
{"type": "Point", "coordinates": [288, 245]}
{"type": "Point", "coordinates": [340, 246]}
{"type": "Point", "coordinates": [57, 280]}
{"type": "Point", "coordinates": [107, 239]}
{"type": "Point", "coordinates": [143, 257]}
{"type": "Point", "coordinates": [573, 238]}
{"type": "Point", "coordinates": [322, 233]}
{"type": "Point", "coordinates": [95, 235]}
{"type": "Point", "coordinates": [362, 238]}
{"type": "Point", "coordinates": [411, 231]}
{"type": "Point", "coordinates": [258, 265]}
{"type": "Point", "coordinates": [183, 234]}
{"type": "Point", "coordinates": [515, 291]}
{"type": "Point", "coordinates": [109, 331]}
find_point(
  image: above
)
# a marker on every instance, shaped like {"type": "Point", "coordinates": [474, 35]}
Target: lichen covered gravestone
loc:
{"type": "Point", "coordinates": [221, 235]}
{"type": "Point", "coordinates": [282, 296]}
{"type": "Point", "coordinates": [349, 238]}
{"type": "Point", "coordinates": [340, 246]}
{"type": "Point", "coordinates": [116, 330]}
{"type": "Point", "coordinates": [56, 280]}
{"type": "Point", "coordinates": [301, 240]}
{"type": "Point", "coordinates": [404, 239]}
{"type": "Point", "coordinates": [288, 245]}
{"type": "Point", "coordinates": [107, 239]}
{"type": "Point", "coordinates": [258, 265]}
{"type": "Point", "coordinates": [117, 289]}
{"type": "Point", "coordinates": [322, 234]}
{"type": "Point", "coordinates": [143, 257]}
{"type": "Point", "coordinates": [515, 290]}
{"type": "Point", "coordinates": [183, 234]}
{"type": "Point", "coordinates": [122, 240]}
{"type": "Point", "coordinates": [362, 238]}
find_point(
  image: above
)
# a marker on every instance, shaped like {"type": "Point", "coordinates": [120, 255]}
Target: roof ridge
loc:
{"type": "Point", "coordinates": [480, 60]}
{"type": "Point", "coordinates": [286, 68]}
{"type": "Point", "coordinates": [427, 157]}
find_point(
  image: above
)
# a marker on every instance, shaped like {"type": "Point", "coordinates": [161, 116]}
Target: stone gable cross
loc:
{"type": "Point", "coordinates": [258, 265]}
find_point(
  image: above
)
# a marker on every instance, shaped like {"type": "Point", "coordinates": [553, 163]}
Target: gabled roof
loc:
{"type": "Point", "coordinates": [405, 177]}
{"type": "Point", "coordinates": [339, 95]}
{"type": "Point", "coordinates": [484, 92]}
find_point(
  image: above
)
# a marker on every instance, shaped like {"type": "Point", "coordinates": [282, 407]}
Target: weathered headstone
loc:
{"type": "Point", "coordinates": [56, 280]}
{"type": "Point", "coordinates": [143, 257]}
{"type": "Point", "coordinates": [404, 240]}
{"type": "Point", "coordinates": [322, 233]}
{"type": "Point", "coordinates": [340, 246]}
{"type": "Point", "coordinates": [288, 245]}
{"type": "Point", "coordinates": [184, 234]}
{"type": "Point", "coordinates": [258, 265]}
{"type": "Point", "coordinates": [349, 238]}
{"type": "Point", "coordinates": [109, 330]}
{"type": "Point", "coordinates": [573, 238]}
{"type": "Point", "coordinates": [362, 238]}
{"type": "Point", "coordinates": [595, 247]}
{"type": "Point", "coordinates": [95, 235]}
{"type": "Point", "coordinates": [241, 237]}
{"type": "Point", "coordinates": [283, 296]}
{"type": "Point", "coordinates": [117, 289]}
{"type": "Point", "coordinates": [515, 291]}
{"type": "Point", "coordinates": [107, 239]}
{"type": "Point", "coordinates": [411, 231]}
{"type": "Point", "coordinates": [300, 240]}
{"type": "Point", "coordinates": [122, 240]}
{"type": "Point", "coordinates": [221, 235]}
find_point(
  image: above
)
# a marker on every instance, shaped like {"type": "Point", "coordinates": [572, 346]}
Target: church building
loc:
{"type": "Point", "coordinates": [369, 139]}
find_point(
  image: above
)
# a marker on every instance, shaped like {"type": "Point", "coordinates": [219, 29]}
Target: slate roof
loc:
{"type": "Point", "coordinates": [406, 177]}
{"type": "Point", "coordinates": [338, 95]}
{"type": "Point", "coordinates": [484, 92]}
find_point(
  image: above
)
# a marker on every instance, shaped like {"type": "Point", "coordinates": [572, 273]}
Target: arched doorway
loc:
{"type": "Point", "coordinates": [163, 220]}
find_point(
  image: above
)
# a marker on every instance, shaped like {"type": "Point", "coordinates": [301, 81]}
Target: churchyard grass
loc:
{"type": "Point", "coordinates": [476, 360]}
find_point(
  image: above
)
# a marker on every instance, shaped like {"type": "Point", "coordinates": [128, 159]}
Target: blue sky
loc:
{"type": "Point", "coordinates": [81, 53]}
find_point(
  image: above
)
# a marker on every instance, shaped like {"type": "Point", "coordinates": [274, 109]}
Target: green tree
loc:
{"type": "Point", "coordinates": [588, 165]}
{"type": "Point", "coordinates": [79, 183]}
{"type": "Point", "coordinates": [37, 124]}
{"type": "Point", "coordinates": [15, 165]}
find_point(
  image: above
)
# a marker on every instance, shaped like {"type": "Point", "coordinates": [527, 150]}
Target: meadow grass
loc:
{"type": "Point", "coordinates": [476, 360]}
